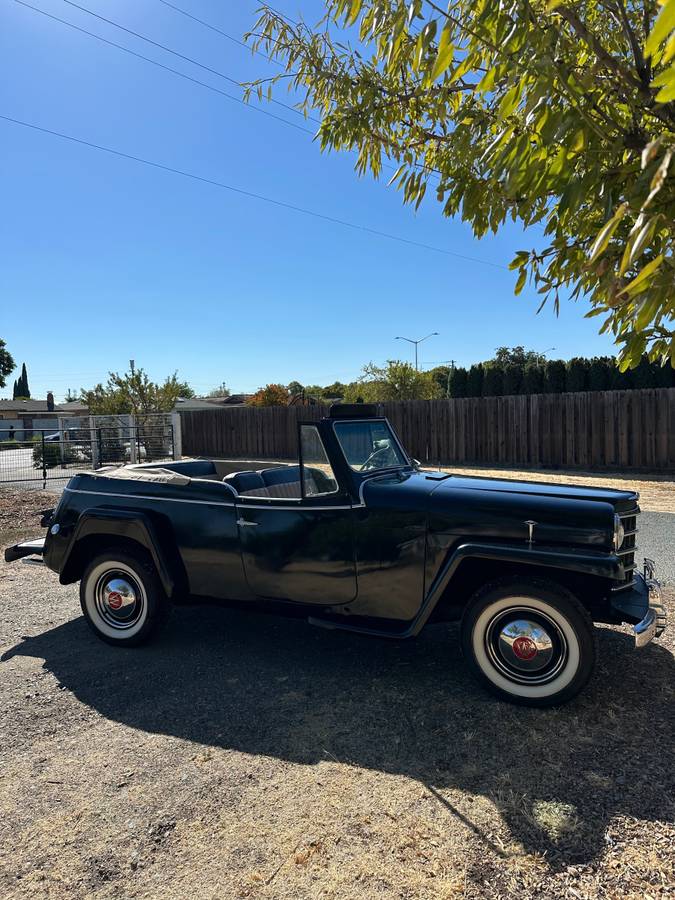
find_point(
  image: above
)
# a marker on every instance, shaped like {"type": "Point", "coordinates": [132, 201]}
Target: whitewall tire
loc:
{"type": "Point", "coordinates": [529, 641]}
{"type": "Point", "coordinates": [122, 597]}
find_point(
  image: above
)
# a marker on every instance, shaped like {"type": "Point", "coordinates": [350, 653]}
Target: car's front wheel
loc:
{"type": "Point", "coordinates": [529, 641]}
{"type": "Point", "coordinates": [122, 597]}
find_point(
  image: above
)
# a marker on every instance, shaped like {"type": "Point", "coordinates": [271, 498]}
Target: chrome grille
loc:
{"type": "Point", "coordinates": [628, 549]}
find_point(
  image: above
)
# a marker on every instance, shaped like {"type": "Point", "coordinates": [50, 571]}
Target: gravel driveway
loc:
{"type": "Point", "coordinates": [243, 755]}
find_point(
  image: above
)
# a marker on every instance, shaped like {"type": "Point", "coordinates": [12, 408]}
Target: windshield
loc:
{"type": "Point", "coordinates": [368, 445]}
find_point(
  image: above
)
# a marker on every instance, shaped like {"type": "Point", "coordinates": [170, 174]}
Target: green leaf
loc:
{"type": "Point", "coordinates": [520, 284]}
{"type": "Point", "coordinates": [637, 242]}
{"type": "Point", "coordinates": [662, 28]}
{"type": "Point", "coordinates": [640, 282]}
{"type": "Point", "coordinates": [445, 54]}
{"type": "Point", "coordinates": [606, 232]}
{"type": "Point", "coordinates": [487, 82]}
{"type": "Point", "coordinates": [519, 259]}
{"type": "Point", "coordinates": [354, 11]}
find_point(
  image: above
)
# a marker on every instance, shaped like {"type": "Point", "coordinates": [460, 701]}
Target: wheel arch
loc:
{"type": "Point", "coordinates": [99, 530]}
{"type": "Point", "coordinates": [471, 568]}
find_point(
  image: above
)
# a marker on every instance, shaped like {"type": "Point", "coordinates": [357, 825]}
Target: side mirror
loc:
{"type": "Point", "coordinates": [416, 464]}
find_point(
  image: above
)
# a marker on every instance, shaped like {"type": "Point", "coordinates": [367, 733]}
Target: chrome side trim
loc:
{"type": "Point", "coordinates": [265, 505]}
{"type": "Point", "coordinates": [148, 497]}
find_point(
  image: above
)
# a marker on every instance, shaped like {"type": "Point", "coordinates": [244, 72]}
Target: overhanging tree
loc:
{"type": "Point", "coordinates": [6, 364]}
{"type": "Point", "coordinates": [555, 114]}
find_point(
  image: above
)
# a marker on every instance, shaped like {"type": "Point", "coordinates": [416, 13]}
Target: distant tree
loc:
{"type": "Point", "coordinates": [576, 377]}
{"type": "Point", "coordinates": [644, 375]}
{"type": "Point", "coordinates": [133, 392]}
{"type": "Point", "coordinates": [295, 388]}
{"type": "Point", "coordinates": [493, 381]}
{"type": "Point", "coordinates": [221, 391]}
{"type": "Point", "coordinates": [599, 373]}
{"type": "Point", "coordinates": [517, 356]}
{"type": "Point", "coordinates": [664, 376]}
{"type": "Point", "coordinates": [71, 396]}
{"type": "Point", "coordinates": [513, 379]}
{"type": "Point", "coordinates": [335, 390]}
{"type": "Point", "coordinates": [554, 376]}
{"type": "Point", "coordinates": [395, 381]}
{"type": "Point", "coordinates": [474, 381]}
{"type": "Point", "coordinates": [270, 395]}
{"type": "Point", "coordinates": [441, 375]}
{"type": "Point", "coordinates": [533, 379]}
{"type": "Point", "coordinates": [21, 389]}
{"type": "Point", "coordinates": [7, 364]}
{"type": "Point", "coordinates": [458, 382]}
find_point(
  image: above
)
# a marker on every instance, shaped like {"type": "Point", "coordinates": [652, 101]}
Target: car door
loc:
{"type": "Point", "coordinates": [297, 536]}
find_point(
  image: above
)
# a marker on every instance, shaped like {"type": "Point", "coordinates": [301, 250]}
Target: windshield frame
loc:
{"type": "Point", "coordinates": [380, 419]}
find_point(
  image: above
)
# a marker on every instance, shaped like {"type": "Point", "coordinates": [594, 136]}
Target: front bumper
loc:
{"type": "Point", "coordinates": [643, 606]}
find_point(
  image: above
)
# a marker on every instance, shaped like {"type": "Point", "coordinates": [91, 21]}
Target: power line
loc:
{"type": "Point", "coordinates": [211, 27]}
{"type": "Point", "coordinates": [166, 68]}
{"type": "Point", "coordinates": [244, 193]}
{"type": "Point", "coordinates": [166, 49]}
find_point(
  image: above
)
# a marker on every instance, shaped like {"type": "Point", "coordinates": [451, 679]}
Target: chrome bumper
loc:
{"type": "Point", "coordinates": [654, 622]}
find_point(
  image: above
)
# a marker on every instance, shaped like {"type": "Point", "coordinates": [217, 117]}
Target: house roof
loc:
{"type": "Point", "coordinates": [72, 406]}
{"type": "Point", "coordinates": [26, 406]}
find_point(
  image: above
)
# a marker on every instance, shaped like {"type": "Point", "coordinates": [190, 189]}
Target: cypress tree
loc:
{"type": "Point", "coordinates": [554, 376]}
{"type": "Point", "coordinates": [25, 390]}
{"type": "Point", "coordinates": [474, 382]}
{"type": "Point", "coordinates": [577, 374]}
{"type": "Point", "coordinates": [458, 379]}
{"type": "Point", "coordinates": [493, 382]}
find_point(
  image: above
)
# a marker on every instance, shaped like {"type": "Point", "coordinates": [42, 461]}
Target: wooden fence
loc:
{"type": "Point", "coordinates": [601, 429]}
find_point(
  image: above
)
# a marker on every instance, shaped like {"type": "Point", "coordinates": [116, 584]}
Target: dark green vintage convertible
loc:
{"type": "Point", "coordinates": [357, 536]}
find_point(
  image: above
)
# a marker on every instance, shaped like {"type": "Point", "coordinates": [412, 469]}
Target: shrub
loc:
{"type": "Point", "coordinates": [55, 454]}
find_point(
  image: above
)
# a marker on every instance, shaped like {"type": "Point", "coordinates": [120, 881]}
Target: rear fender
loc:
{"type": "Point", "coordinates": [128, 525]}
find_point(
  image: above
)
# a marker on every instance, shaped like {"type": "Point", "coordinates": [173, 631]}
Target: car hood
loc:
{"type": "Point", "coordinates": [619, 499]}
{"type": "Point", "coordinates": [471, 506]}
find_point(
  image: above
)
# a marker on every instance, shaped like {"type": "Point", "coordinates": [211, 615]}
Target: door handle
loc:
{"type": "Point", "coordinates": [241, 522]}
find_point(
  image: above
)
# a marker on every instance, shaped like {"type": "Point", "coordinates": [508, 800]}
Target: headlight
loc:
{"type": "Point", "coordinates": [618, 532]}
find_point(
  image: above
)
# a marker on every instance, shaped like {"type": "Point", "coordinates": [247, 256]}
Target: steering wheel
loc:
{"type": "Point", "coordinates": [377, 459]}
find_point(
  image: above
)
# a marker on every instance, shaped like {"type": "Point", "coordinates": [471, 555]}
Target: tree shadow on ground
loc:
{"type": "Point", "coordinates": [264, 685]}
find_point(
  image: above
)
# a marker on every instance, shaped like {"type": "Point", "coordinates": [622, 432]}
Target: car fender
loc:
{"type": "Point", "coordinates": [585, 562]}
{"type": "Point", "coordinates": [131, 525]}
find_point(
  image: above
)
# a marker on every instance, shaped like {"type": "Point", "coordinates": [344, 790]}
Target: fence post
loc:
{"type": "Point", "coordinates": [44, 462]}
{"type": "Point", "coordinates": [177, 436]}
{"type": "Point", "coordinates": [133, 441]}
{"type": "Point", "coordinates": [93, 440]}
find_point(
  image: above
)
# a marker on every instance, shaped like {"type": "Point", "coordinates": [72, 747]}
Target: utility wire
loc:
{"type": "Point", "coordinates": [166, 49]}
{"type": "Point", "coordinates": [166, 68]}
{"type": "Point", "coordinates": [244, 193]}
{"type": "Point", "coordinates": [229, 37]}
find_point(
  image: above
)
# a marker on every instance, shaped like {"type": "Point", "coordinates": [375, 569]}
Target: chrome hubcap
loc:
{"type": "Point", "coordinates": [526, 645]}
{"type": "Point", "coordinates": [119, 599]}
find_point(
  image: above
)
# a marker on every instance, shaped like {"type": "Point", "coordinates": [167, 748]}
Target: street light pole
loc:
{"type": "Point", "coordinates": [416, 343]}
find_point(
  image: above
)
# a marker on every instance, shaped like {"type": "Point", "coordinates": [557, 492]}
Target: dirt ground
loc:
{"type": "Point", "coordinates": [250, 756]}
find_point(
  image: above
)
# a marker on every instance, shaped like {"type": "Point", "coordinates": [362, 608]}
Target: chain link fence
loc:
{"type": "Point", "coordinates": [86, 444]}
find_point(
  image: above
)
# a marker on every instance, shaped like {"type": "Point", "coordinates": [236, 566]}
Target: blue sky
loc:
{"type": "Point", "coordinates": [103, 259]}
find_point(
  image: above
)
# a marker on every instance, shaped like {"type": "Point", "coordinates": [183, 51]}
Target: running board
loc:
{"type": "Point", "coordinates": [358, 629]}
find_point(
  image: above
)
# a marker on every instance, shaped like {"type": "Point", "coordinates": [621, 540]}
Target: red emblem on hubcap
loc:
{"type": "Point", "coordinates": [115, 599]}
{"type": "Point", "coordinates": [524, 648]}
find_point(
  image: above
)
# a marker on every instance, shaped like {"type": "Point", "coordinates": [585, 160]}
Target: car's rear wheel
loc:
{"type": "Point", "coordinates": [529, 641]}
{"type": "Point", "coordinates": [122, 597]}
